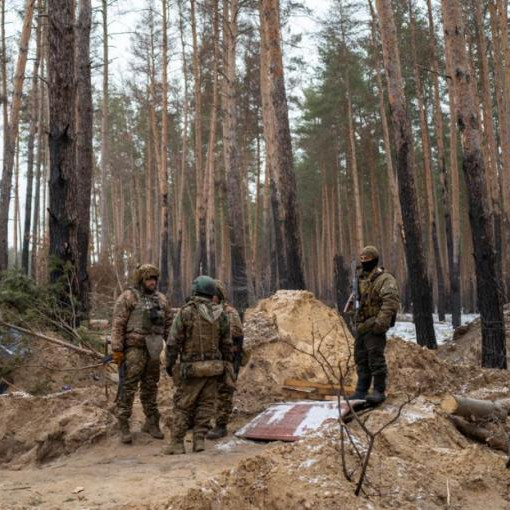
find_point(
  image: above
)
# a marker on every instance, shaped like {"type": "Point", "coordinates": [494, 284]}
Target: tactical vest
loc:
{"type": "Point", "coordinates": [147, 317]}
{"type": "Point", "coordinates": [204, 336]}
{"type": "Point", "coordinates": [370, 300]}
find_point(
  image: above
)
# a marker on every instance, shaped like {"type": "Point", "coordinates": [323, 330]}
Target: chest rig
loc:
{"type": "Point", "coordinates": [147, 317]}
{"type": "Point", "coordinates": [370, 301]}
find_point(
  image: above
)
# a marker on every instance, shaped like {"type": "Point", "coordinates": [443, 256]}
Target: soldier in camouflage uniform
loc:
{"type": "Point", "coordinates": [141, 320]}
{"type": "Point", "coordinates": [224, 401]}
{"type": "Point", "coordinates": [197, 350]}
{"type": "Point", "coordinates": [379, 303]}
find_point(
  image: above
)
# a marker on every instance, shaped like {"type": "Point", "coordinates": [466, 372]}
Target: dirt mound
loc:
{"type": "Point", "coordinates": [466, 345]}
{"type": "Point", "coordinates": [49, 368]}
{"type": "Point", "coordinates": [421, 461]}
{"type": "Point", "coordinates": [281, 334]}
{"type": "Point", "coordinates": [416, 370]}
{"type": "Point", "coordinates": [39, 429]}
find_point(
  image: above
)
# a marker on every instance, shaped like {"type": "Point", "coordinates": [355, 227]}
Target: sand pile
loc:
{"type": "Point", "coordinates": [421, 461]}
{"type": "Point", "coordinates": [39, 429]}
{"type": "Point", "coordinates": [281, 333]}
{"type": "Point", "coordinates": [466, 346]}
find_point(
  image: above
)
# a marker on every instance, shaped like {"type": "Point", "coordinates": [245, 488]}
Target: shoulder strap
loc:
{"type": "Point", "coordinates": [378, 272]}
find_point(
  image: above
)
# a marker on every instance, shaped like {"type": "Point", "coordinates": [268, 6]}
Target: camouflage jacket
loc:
{"type": "Point", "coordinates": [379, 299]}
{"type": "Point", "coordinates": [126, 304]}
{"type": "Point", "coordinates": [200, 331]}
{"type": "Point", "coordinates": [236, 326]}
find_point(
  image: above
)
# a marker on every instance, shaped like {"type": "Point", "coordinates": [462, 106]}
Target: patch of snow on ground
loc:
{"type": "Point", "coordinates": [404, 327]}
{"type": "Point", "coordinates": [307, 463]}
{"type": "Point", "coordinates": [232, 444]}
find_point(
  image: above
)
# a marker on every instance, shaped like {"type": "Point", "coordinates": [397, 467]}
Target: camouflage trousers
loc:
{"type": "Point", "coordinates": [369, 355]}
{"type": "Point", "coordinates": [194, 401]}
{"type": "Point", "coordinates": [224, 403]}
{"type": "Point", "coordinates": [140, 371]}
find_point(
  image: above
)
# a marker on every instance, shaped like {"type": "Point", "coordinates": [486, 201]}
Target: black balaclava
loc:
{"type": "Point", "coordinates": [369, 265]}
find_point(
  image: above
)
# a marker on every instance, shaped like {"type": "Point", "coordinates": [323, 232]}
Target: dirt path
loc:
{"type": "Point", "coordinates": [113, 475]}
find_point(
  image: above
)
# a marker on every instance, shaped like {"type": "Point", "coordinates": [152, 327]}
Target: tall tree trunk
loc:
{"type": "Point", "coordinates": [201, 194]}
{"type": "Point", "coordinates": [284, 171]}
{"type": "Point", "coordinates": [232, 160]}
{"type": "Point", "coordinates": [443, 175]}
{"type": "Point", "coordinates": [11, 134]}
{"type": "Point", "coordinates": [63, 179]}
{"type": "Point", "coordinates": [163, 175]}
{"type": "Point", "coordinates": [502, 92]}
{"type": "Point", "coordinates": [488, 285]}
{"type": "Point", "coordinates": [105, 155]}
{"type": "Point", "coordinates": [278, 266]}
{"type": "Point", "coordinates": [209, 178]}
{"type": "Point", "coordinates": [34, 116]}
{"type": "Point", "coordinates": [84, 154]}
{"type": "Point", "coordinates": [353, 165]}
{"type": "Point", "coordinates": [433, 216]}
{"type": "Point", "coordinates": [397, 230]}
{"type": "Point", "coordinates": [41, 147]}
{"type": "Point", "coordinates": [420, 285]}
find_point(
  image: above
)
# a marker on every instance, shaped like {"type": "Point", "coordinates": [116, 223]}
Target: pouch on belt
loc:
{"type": "Point", "coordinates": [154, 345]}
{"type": "Point", "coordinates": [210, 368]}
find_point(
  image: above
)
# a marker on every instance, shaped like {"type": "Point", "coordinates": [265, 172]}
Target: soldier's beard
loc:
{"type": "Point", "coordinates": [369, 265]}
{"type": "Point", "coordinates": [149, 286]}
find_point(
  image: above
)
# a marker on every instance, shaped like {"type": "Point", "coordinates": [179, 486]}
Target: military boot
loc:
{"type": "Point", "coordinates": [217, 432]}
{"type": "Point", "coordinates": [198, 443]}
{"type": "Point", "coordinates": [377, 396]}
{"type": "Point", "coordinates": [361, 388]}
{"type": "Point", "coordinates": [151, 426]}
{"type": "Point", "coordinates": [125, 434]}
{"type": "Point", "coordinates": [176, 447]}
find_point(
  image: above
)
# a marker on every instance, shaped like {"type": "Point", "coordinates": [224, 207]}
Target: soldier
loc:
{"type": "Point", "coordinates": [379, 303]}
{"type": "Point", "coordinates": [198, 348]}
{"type": "Point", "coordinates": [224, 401]}
{"type": "Point", "coordinates": [141, 319]}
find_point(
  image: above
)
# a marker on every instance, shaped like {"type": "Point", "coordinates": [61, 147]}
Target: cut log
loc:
{"type": "Point", "coordinates": [496, 439]}
{"type": "Point", "coordinates": [475, 409]}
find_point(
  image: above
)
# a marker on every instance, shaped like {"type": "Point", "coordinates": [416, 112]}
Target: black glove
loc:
{"type": "Point", "coordinates": [170, 362]}
{"type": "Point", "coordinates": [366, 327]}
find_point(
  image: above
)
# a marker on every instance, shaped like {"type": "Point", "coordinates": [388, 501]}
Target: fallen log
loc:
{"type": "Point", "coordinates": [61, 343]}
{"type": "Point", "coordinates": [474, 409]}
{"type": "Point", "coordinates": [497, 439]}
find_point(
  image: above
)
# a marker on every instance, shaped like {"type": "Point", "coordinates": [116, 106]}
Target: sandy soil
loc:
{"type": "Point", "coordinates": [113, 476]}
{"type": "Point", "coordinates": [54, 442]}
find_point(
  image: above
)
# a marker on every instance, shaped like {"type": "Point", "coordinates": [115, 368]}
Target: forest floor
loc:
{"type": "Point", "coordinates": [59, 445]}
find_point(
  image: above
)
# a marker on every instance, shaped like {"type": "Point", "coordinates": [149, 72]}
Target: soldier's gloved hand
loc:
{"type": "Point", "coordinates": [118, 357]}
{"type": "Point", "coordinates": [379, 328]}
{"type": "Point", "coordinates": [366, 327]}
{"type": "Point", "coordinates": [170, 363]}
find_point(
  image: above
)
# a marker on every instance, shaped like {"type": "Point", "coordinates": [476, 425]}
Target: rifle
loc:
{"type": "Point", "coordinates": [354, 302]}
{"type": "Point", "coordinates": [122, 379]}
{"type": "Point", "coordinates": [238, 355]}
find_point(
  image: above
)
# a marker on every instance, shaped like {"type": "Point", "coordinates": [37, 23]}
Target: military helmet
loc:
{"type": "Point", "coordinates": [145, 272]}
{"type": "Point", "coordinates": [221, 290]}
{"type": "Point", "coordinates": [203, 285]}
{"type": "Point", "coordinates": [371, 252]}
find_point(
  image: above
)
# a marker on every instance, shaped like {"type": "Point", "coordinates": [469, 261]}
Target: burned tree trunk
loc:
{"type": "Point", "coordinates": [283, 171]}
{"type": "Point", "coordinates": [62, 179]}
{"type": "Point", "coordinates": [488, 285]}
{"type": "Point", "coordinates": [232, 160]}
{"type": "Point", "coordinates": [84, 155]}
{"type": "Point", "coordinates": [420, 286]}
